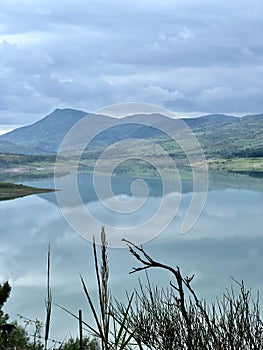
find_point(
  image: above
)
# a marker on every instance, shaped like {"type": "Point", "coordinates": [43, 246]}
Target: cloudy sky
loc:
{"type": "Point", "coordinates": [189, 56]}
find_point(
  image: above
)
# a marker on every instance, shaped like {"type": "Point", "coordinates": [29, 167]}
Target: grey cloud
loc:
{"type": "Point", "coordinates": [88, 55]}
{"type": "Point", "coordinates": [232, 100]}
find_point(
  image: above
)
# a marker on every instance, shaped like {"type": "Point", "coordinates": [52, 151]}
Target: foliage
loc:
{"type": "Point", "coordinates": [36, 325]}
{"type": "Point", "coordinates": [5, 290]}
{"type": "Point", "coordinates": [11, 191]}
{"type": "Point", "coordinates": [249, 153]}
{"type": "Point", "coordinates": [16, 336]}
{"type": "Point", "coordinates": [9, 158]}
{"type": "Point", "coordinates": [176, 318]}
{"type": "Point", "coordinates": [74, 344]}
{"type": "Point", "coordinates": [18, 339]}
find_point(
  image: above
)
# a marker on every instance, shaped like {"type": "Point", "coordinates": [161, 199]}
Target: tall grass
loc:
{"type": "Point", "coordinates": [111, 331]}
{"type": "Point", "coordinates": [48, 302]}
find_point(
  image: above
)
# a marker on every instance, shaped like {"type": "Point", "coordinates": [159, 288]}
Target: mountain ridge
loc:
{"type": "Point", "coordinates": [45, 135]}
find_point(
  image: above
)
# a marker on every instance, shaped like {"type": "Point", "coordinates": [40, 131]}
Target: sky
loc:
{"type": "Point", "coordinates": [193, 57]}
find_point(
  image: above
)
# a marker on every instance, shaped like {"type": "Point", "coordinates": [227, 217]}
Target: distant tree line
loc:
{"type": "Point", "coordinates": [239, 153]}
{"type": "Point", "coordinates": [249, 153]}
{"type": "Point", "coordinates": [9, 158]}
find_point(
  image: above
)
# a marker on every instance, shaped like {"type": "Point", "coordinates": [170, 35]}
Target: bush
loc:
{"type": "Point", "coordinates": [175, 318]}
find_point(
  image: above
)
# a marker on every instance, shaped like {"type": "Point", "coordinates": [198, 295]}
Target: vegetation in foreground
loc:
{"type": "Point", "coordinates": [15, 336]}
{"type": "Point", "coordinates": [153, 318]}
{"type": "Point", "coordinates": [12, 191]}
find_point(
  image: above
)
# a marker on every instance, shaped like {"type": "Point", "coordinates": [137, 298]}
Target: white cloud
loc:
{"type": "Point", "coordinates": [186, 34]}
{"type": "Point", "coordinates": [159, 94]}
{"type": "Point", "coordinates": [42, 12]}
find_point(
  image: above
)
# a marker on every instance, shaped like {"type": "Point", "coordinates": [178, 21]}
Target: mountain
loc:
{"type": "Point", "coordinates": [211, 119]}
{"type": "Point", "coordinates": [47, 133]}
{"type": "Point", "coordinates": [10, 147]}
{"type": "Point", "coordinates": [218, 134]}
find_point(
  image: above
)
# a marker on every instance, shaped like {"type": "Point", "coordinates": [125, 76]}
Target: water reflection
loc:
{"type": "Point", "coordinates": [226, 241]}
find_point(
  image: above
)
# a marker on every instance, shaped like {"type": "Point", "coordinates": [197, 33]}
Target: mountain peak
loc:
{"type": "Point", "coordinates": [47, 134]}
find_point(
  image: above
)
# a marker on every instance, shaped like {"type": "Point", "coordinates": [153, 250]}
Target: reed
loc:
{"type": "Point", "coordinates": [48, 302]}
{"type": "Point", "coordinates": [112, 331]}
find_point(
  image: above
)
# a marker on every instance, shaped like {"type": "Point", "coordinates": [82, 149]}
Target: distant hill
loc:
{"type": "Point", "coordinates": [47, 133]}
{"type": "Point", "coordinates": [10, 147]}
{"type": "Point", "coordinates": [228, 136]}
{"type": "Point", "coordinates": [218, 134]}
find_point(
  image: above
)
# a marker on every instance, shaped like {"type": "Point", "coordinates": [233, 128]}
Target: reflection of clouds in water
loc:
{"type": "Point", "coordinates": [228, 213]}
{"type": "Point", "coordinates": [140, 226]}
{"type": "Point", "coordinates": [24, 219]}
{"type": "Point", "coordinates": [226, 241]}
{"type": "Point", "coordinates": [136, 217]}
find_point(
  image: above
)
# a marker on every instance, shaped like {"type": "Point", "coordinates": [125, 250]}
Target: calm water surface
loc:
{"type": "Point", "coordinates": [226, 241]}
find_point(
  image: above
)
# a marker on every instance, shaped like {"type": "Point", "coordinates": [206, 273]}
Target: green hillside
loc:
{"type": "Point", "coordinates": [232, 144]}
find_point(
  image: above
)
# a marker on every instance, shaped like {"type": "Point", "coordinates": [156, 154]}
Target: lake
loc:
{"type": "Point", "coordinates": [226, 240]}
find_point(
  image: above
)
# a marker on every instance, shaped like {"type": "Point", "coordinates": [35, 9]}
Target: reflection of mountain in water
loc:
{"type": "Point", "coordinates": [122, 185]}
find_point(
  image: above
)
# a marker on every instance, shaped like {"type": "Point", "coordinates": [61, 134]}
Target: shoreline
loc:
{"type": "Point", "coordinates": [9, 191]}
